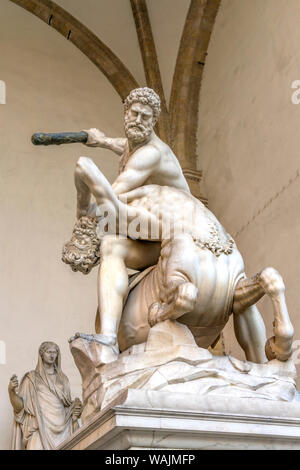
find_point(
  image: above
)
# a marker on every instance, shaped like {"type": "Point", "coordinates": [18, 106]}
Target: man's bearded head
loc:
{"type": "Point", "coordinates": [139, 131]}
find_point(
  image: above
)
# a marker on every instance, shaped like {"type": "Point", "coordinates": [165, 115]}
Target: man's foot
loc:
{"type": "Point", "coordinates": [98, 338]}
{"type": "Point", "coordinates": [108, 349]}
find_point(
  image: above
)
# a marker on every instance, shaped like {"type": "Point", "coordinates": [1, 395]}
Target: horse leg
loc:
{"type": "Point", "coordinates": [247, 293]}
{"type": "Point", "coordinates": [280, 345]}
{"type": "Point", "coordinates": [178, 292]}
{"type": "Point", "coordinates": [250, 333]}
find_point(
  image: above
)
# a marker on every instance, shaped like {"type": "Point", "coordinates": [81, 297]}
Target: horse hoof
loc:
{"type": "Point", "coordinates": [269, 349]}
{"type": "Point", "coordinates": [273, 352]}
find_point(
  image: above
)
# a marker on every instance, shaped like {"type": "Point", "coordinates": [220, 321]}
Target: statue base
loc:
{"type": "Point", "coordinates": [169, 393]}
{"type": "Point", "coordinates": [171, 361]}
{"type": "Point", "coordinates": [143, 419]}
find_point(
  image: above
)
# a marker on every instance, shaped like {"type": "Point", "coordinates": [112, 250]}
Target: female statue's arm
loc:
{"type": "Point", "coordinates": [15, 399]}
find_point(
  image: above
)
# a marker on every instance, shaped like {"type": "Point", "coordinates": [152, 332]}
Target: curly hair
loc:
{"type": "Point", "coordinates": [82, 252]}
{"type": "Point", "coordinates": [145, 96]}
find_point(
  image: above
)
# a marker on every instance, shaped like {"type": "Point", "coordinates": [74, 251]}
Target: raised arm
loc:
{"type": "Point", "coordinates": [139, 168]}
{"type": "Point", "coordinates": [97, 138]}
{"type": "Point", "coordinates": [15, 399]}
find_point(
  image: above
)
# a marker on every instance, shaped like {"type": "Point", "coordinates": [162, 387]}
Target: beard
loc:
{"type": "Point", "coordinates": [137, 133]}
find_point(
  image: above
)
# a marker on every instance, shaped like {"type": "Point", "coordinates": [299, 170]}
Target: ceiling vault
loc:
{"type": "Point", "coordinates": [83, 38]}
{"type": "Point", "coordinates": [178, 126]}
{"type": "Point", "coordinates": [184, 102]}
{"type": "Point", "coordinates": [150, 61]}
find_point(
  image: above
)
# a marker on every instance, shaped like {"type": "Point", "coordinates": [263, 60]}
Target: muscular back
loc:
{"type": "Point", "coordinates": [152, 163]}
{"type": "Point", "coordinates": [168, 171]}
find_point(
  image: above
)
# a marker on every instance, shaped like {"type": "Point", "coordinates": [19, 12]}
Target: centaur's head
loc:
{"type": "Point", "coordinates": [82, 252]}
{"type": "Point", "coordinates": [142, 109]}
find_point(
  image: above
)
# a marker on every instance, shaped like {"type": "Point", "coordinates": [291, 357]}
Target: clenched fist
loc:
{"type": "Point", "coordinates": [13, 384]}
{"type": "Point", "coordinates": [96, 138]}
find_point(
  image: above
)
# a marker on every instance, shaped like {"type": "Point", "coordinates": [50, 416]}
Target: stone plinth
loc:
{"type": "Point", "coordinates": [170, 361]}
{"type": "Point", "coordinates": [141, 419]}
{"type": "Point", "coordinates": [168, 393]}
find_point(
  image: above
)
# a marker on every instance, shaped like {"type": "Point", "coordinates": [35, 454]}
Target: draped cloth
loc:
{"type": "Point", "coordinates": [46, 418]}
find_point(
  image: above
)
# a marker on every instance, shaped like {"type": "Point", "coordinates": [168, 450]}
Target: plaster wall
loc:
{"type": "Point", "coordinates": [52, 86]}
{"type": "Point", "coordinates": [249, 140]}
{"type": "Point", "coordinates": [248, 144]}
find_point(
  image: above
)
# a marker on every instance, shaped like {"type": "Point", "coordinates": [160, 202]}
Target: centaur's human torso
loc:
{"type": "Point", "coordinates": [217, 267]}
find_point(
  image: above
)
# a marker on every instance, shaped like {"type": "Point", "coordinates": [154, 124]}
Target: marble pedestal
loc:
{"type": "Point", "coordinates": [143, 419]}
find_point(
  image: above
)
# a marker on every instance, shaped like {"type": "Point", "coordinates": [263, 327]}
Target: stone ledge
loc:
{"type": "Point", "coordinates": [154, 419]}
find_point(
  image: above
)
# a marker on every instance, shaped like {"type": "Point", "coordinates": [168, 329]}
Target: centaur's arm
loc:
{"type": "Point", "coordinates": [89, 180]}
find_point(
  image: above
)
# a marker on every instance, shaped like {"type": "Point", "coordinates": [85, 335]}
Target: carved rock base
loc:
{"type": "Point", "coordinates": [171, 362]}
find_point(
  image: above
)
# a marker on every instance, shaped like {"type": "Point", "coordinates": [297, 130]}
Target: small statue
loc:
{"type": "Point", "coordinates": [44, 412]}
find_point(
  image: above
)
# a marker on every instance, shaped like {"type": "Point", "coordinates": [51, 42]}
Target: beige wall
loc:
{"type": "Point", "coordinates": [52, 86]}
{"type": "Point", "coordinates": [248, 148]}
{"type": "Point", "coordinates": [249, 139]}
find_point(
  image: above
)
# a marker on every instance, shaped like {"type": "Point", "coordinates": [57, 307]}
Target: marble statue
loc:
{"type": "Point", "coordinates": [195, 276]}
{"type": "Point", "coordinates": [154, 328]}
{"type": "Point", "coordinates": [44, 413]}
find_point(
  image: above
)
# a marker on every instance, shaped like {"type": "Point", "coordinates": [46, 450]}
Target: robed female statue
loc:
{"type": "Point", "coordinates": [44, 413]}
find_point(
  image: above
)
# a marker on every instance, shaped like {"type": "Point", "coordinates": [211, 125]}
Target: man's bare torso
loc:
{"type": "Point", "coordinates": [166, 170]}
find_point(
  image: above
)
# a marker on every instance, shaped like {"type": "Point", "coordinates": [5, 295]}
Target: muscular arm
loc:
{"type": "Point", "coordinates": [90, 181]}
{"type": "Point", "coordinates": [139, 168]}
{"type": "Point", "coordinates": [97, 138]}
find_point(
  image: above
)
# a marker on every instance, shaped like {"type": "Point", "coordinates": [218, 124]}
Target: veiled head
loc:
{"type": "Point", "coordinates": [49, 352]}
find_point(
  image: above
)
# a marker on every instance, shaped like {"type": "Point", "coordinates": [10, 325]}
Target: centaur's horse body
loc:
{"type": "Point", "coordinates": [215, 279]}
{"type": "Point", "coordinates": [199, 279]}
{"type": "Point", "coordinates": [200, 254]}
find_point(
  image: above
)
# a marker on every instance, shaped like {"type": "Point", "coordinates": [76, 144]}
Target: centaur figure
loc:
{"type": "Point", "coordinates": [190, 268]}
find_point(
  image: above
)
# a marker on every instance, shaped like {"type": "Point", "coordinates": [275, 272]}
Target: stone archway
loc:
{"type": "Point", "coordinates": [178, 124]}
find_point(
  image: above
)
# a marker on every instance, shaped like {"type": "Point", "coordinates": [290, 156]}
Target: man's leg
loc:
{"type": "Point", "coordinates": [117, 253]}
